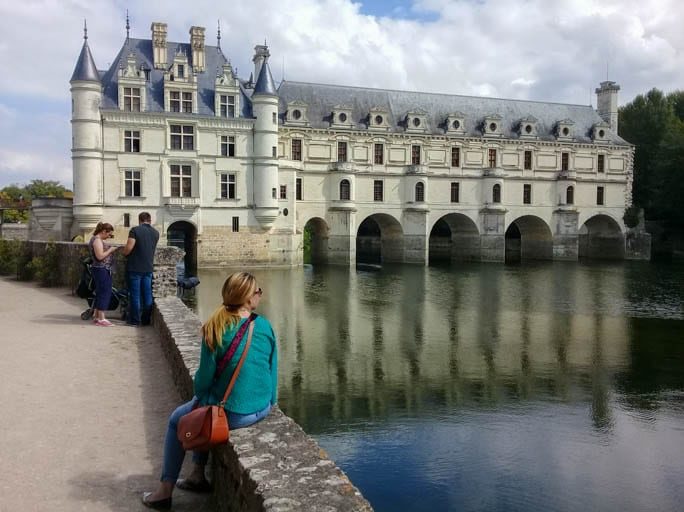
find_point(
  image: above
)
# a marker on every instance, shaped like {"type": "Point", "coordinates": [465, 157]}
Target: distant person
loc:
{"type": "Point", "coordinates": [101, 269]}
{"type": "Point", "coordinates": [140, 248]}
{"type": "Point", "coordinates": [254, 393]}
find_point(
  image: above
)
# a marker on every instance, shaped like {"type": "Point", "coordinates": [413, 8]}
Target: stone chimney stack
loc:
{"type": "Point", "coordinates": [159, 48]}
{"type": "Point", "coordinates": [607, 103]}
{"type": "Point", "coordinates": [197, 45]}
{"type": "Point", "coordinates": [261, 53]}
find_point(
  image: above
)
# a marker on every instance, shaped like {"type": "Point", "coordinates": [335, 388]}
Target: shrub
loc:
{"type": "Point", "coordinates": [9, 252]}
{"type": "Point", "coordinates": [24, 267]}
{"type": "Point", "coordinates": [631, 216]}
{"type": "Point", "coordinates": [45, 268]}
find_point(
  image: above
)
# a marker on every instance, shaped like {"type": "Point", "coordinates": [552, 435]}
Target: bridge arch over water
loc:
{"type": "Point", "coordinates": [529, 238]}
{"type": "Point", "coordinates": [601, 237]}
{"type": "Point", "coordinates": [454, 237]}
{"type": "Point", "coordinates": [380, 239]}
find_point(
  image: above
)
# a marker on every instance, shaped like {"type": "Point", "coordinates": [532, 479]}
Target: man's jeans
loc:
{"type": "Point", "coordinates": [139, 285]}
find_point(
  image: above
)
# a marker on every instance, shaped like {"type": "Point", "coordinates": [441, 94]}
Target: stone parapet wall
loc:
{"type": "Point", "coordinates": [10, 231]}
{"type": "Point", "coordinates": [219, 246]}
{"type": "Point", "coordinates": [270, 466]}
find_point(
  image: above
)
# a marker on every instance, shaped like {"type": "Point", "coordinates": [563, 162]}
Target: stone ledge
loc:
{"type": "Point", "coordinates": [271, 466]}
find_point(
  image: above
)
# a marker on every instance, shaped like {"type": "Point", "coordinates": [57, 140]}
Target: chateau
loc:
{"type": "Point", "coordinates": [235, 170]}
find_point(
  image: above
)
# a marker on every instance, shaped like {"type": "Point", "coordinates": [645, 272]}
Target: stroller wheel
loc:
{"type": "Point", "coordinates": [123, 314]}
{"type": "Point", "coordinates": [87, 314]}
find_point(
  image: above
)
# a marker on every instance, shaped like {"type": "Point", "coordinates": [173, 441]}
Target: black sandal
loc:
{"type": "Point", "coordinates": [191, 486]}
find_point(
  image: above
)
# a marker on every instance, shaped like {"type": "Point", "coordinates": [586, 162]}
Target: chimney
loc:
{"type": "Point", "coordinates": [607, 103]}
{"type": "Point", "coordinates": [159, 45]}
{"type": "Point", "coordinates": [261, 53]}
{"type": "Point", "coordinates": [197, 45]}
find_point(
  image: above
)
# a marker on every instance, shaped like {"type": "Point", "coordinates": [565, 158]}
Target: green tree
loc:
{"type": "Point", "coordinates": [669, 176]}
{"type": "Point", "coordinates": [18, 196]}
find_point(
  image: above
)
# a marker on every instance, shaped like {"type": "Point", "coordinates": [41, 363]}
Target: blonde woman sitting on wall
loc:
{"type": "Point", "coordinates": [253, 394]}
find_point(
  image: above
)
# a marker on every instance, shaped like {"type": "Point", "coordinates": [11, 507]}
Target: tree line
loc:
{"type": "Point", "coordinates": [14, 198]}
{"type": "Point", "coordinates": [654, 123]}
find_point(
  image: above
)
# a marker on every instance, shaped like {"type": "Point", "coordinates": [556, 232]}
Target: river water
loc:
{"type": "Point", "coordinates": [484, 387]}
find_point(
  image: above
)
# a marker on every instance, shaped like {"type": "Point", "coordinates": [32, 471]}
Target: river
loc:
{"type": "Point", "coordinates": [483, 387]}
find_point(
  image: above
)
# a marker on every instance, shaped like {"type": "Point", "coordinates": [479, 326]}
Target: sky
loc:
{"type": "Point", "coordinates": [545, 50]}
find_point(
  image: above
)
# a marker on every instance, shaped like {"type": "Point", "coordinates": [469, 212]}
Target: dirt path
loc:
{"type": "Point", "coordinates": [84, 408]}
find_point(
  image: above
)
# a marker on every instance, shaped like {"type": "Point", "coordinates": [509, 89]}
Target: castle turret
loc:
{"type": "Point", "coordinates": [607, 103]}
{"type": "Point", "coordinates": [86, 145]}
{"type": "Point", "coordinates": [261, 55]}
{"type": "Point", "coordinates": [265, 109]}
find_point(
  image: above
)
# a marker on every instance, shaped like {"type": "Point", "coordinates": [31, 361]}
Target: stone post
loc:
{"type": "Point", "coordinates": [165, 260]}
{"type": "Point", "coordinates": [493, 237]}
{"type": "Point", "coordinates": [565, 239]}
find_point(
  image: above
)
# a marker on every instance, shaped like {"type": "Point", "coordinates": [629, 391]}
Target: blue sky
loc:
{"type": "Point", "coordinates": [527, 49]}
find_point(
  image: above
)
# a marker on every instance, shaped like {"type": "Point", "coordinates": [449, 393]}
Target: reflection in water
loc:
{"type": "Point", "coordinates": [550, 386]}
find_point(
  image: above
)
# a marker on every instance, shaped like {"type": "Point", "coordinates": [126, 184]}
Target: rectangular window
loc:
{"type": "Point", "coordinates": [127, 220]}
{"type": "Point", "coordinates": [182, 137]}
{"type": "Point", "coordinates": [187, 102]}
{"type": "Point", "coordinates": [283, 191]}
{"type": "Point", "coordinates": [565, 161]}
{"type": "Point", "coordinates": [455, 192]}
{"type": "Point", "coordinates": [132, 183]}
{"type": "Point", "coordinates": [415, 155]}
{"type": "Point", "coordinates": [455, 157]}
{"type": "Point", "coordinates": [181, 180]}
{"type": "Point", "coordinates": [132, 99]}
{"type": "Point", "coordinates": [492, 158]}
{"type": "Point", "coordinates": [297, 149]}
{"type": "Point", "coordinates": [601, 163]}
{"type": "Point", "coordinates": [377, 190]}
{"type": "Point", "coordinates": [236, 224]}
{"type": "Point", "coordinates": [274, 152]}
{"type": "Point", "coordinates": [275, 118]}
{"type": "Point", "coordinates": [527, 194]}
{"type": "Point", "coordinates": [227, 105]}
{"type": "Point", "coordinates": [600, 196]}
{"type": "Point", "coordinates": [528, 160]}
{"type": "Point", "coordinates": [131, 141]}
{"type": "Point", "coordinates": [227, 186]}
{"type": "Point", "coordinates": [379, 154]}
{"type": "Point", "coordinates": [341, 151]}
{"type": "Point", "coordinates": [227, 145]}
{"type": "Point", "coordinates": [298, 190]}
{"type": "Point", "coordinates": [181, 71]}
{"type": "Point", "coordinates": [174, 101]}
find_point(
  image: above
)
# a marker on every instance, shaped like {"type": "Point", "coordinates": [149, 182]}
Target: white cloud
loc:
{"type": "Point", "coordinates": [533, 49]}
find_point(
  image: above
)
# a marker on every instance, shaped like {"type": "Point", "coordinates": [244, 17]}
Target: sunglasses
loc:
{"type": "Point", "coordinates": [259, 292]}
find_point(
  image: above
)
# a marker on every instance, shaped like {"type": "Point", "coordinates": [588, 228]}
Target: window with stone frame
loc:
{"type": "Point", "coordinates": [570, 195]}
{"type": "Point", "coordinates": [181, 70]}
{"type": "Point", "coordinates": [132, 183]}
{"type": "Point", "coordinates": [455, 157]}
{"type": "Point", "coordinates": [174, 101]}
{"type": "Point", "coordinates": [131, 97]}
{"type": "Point", "coordinates": [379, 154]}
{"type": "Point", "coordinates": [492, 158]}
{"type": "Point", "coordinates": [527, 193]}
{"type": "Point", "coordinates": [527, 164]}
{"type": "Point", "coordinates": [601, 163]}
{"type": "Point", "coordinates": [227, 105]}
{"type": "Point", "coordinates": [341, 151]}
{"type": "Point", "coordinates": [132, 141]}
{"type": "Point", "coordinates": [181, 180]}
{"type": "Point", "coordinates": [236, 224]}
{"type": "Point", "coordinates": [496, 193]}
{"type": "Point", "coordinates": [283, 191]}
{"type": "Point", "coordinates": [297, 149]}
{"type": "Point", "coordinates": [228, 184]}
{"type": "Point", "coordinates": [565, 161]}
{"type": "Point", "coordinates": [455, 192]}
{"type": "Point", "coordinates": [600, 196]}
{"type": "Point", "coordinates": [228, 145]}
{"type": "Point", "coordinates": [182, 137]}
{"type": "Point", "coordinates": [415, 154]}
{"type": "Point", "coordinates": [187, 102]}
{"type": "Point", "coordinates": [378, 194]}
{"type": "Point", "coordinates": [419, 196]}
{"type": "Point", "coordinates": [298, 189]}
{"type": "Point", "coordinates": [345, 190]}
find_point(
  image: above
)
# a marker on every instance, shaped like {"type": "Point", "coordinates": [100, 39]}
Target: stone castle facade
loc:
{"type": "Point", "coordinates": [235, 170]}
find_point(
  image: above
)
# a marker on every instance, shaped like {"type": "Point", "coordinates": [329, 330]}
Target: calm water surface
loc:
{"type": "Point", "coordinates": [546, 387]}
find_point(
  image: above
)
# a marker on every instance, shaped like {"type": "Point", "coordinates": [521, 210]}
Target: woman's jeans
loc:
{"type": "Point", "coordinates": [173, 449]}
{"type": "Point", "coordinates": [139, 284]}
{"type": "Point", "coordinates": [103, 288]}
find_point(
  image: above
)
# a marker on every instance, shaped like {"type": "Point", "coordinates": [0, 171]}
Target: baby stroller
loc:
{"type": "Point", "coordinates": [86, 290]}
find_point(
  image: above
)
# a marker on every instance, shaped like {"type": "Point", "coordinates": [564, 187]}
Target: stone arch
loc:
{"type": "Point", "coordinates": [380, 239]}
{"type": "Point", "coordinates": [454, 237]}
{"type": "Point", "coordinates": [316, 234]}
{"type": "Point", "coordinates": [183, 234]}
{"type": "Point", "coordinates": [601, 237]}
{"type": "Point", "coordinates": [529, 238]}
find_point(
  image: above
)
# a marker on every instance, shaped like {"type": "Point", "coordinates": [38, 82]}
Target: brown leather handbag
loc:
{"type": "Point", "coordinates": [205, 427]}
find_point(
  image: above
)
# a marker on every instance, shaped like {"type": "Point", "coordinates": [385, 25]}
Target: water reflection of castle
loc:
{"type": "Point", "coordinates": [367, 344]}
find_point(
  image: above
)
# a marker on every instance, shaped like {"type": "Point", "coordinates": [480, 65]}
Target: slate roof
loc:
{"type": "Point", "coordinates": [85, 66]}
{"type": "Point", "coordinates": [321, 99]}
{"type": "Point", "coordinates": [142, 49]}
{"type": "Point", "coordinates": [265, 83]}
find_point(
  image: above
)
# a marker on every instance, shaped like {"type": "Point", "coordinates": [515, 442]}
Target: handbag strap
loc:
{"type": "Point", "coordinates": [239, 335]}
{"type": "Point", "coordinates": [239, 366]}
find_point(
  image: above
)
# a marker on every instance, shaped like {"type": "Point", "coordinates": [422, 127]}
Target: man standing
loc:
{"type": "Point", "coordinates": [140, 247]}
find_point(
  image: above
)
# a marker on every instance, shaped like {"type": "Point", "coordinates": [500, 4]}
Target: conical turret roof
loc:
{"type": "Point", "coordinates": [265, 83]}
{"type": "Point", "coordinates": [85, 66]}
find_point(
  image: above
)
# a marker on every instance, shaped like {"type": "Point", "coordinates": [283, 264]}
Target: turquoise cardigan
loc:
{"type": "Point", "coordinates": [257, 384]}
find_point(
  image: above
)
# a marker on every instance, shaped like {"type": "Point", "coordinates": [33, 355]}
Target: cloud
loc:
{"type": "Point", "coordinates": [532, 49]}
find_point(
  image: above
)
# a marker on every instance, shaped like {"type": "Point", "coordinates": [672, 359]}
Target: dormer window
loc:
{"type": "Point", "coordinates": [131, 99]}
{"type": "Point", "coordinates": [455, 123]}
{"type": "Point", "coordinates": [599, 132]}
{"type": "Point", "coordinates": [227, 95]}
{"type": "Point", "coordinates": [416, 121]}
{"type": "Point", "coordinates": [378, 119]}
{"type": "Point", "coordinates": [341, 117]}
{"type": "Point", "coordinates": [564, 129]}
{"type": "Point", "coordinates": [297, 113]}
{"type": "Point", "coordinates": [492, 126]}
{"type": "Point", "coordinates": [227, 105]}
{"type": "Point", "coordinates": [528, 127]}
{"type": "Point", "coordinates": [131, 86]}
{"type": "Point", "coordinates": [181, 71]}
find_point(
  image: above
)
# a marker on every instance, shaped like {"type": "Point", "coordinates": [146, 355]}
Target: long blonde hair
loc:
{"type": "Point", "coordinates": [236, 292]}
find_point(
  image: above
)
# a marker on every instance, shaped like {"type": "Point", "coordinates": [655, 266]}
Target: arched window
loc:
{"type": "Point", "coordinates": [496, 193]}
{"type": "Point", "coordinates": [570, 195]}
{"type": "Point", "coordinates": [345, 190]}
{"type": "Point", "coordinates": [420, 192]}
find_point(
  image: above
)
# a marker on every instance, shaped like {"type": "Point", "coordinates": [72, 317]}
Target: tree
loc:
{"type": "Point", "coordinates": [17, 196]}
